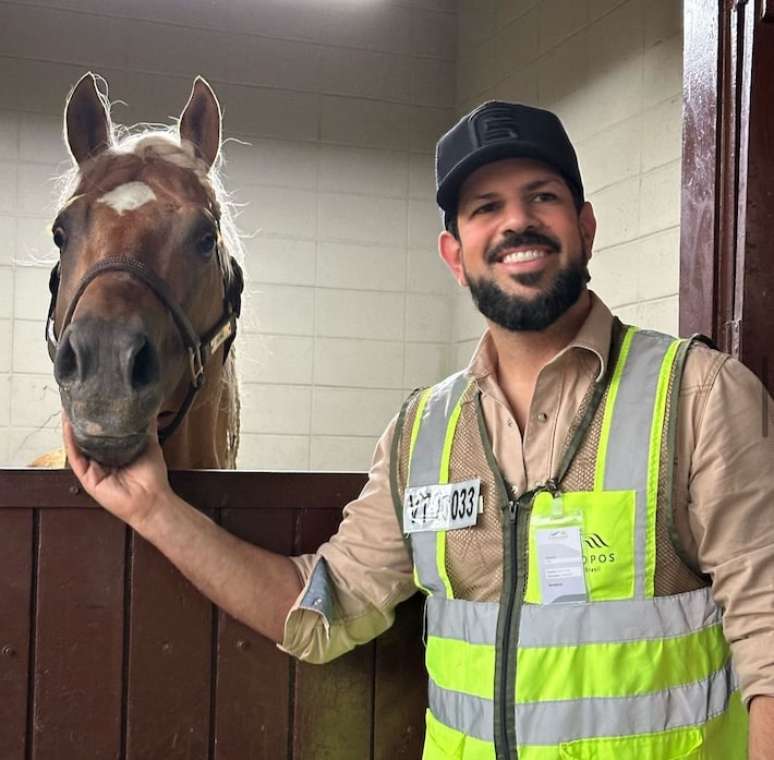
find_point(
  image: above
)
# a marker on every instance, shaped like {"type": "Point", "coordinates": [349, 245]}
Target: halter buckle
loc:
{"type": "Point", "coordinates": [196, 366]}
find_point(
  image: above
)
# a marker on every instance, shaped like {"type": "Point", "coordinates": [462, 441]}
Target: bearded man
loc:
{"type": "Point", "coordinates": [586, 505]}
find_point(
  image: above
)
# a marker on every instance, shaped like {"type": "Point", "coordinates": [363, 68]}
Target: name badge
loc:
{"type": "Point", "coordinates": [446, 506]}
{"type": "Point", "coordinates": [560, 558]}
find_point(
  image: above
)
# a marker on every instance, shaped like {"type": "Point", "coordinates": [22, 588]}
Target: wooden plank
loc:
{"type": "Point", "coordinates": [170, 650]}
{"type": "Point", "coordinates": [333, 708]}
{"type": "Point", "coordinates": [400, 686]}
{"type": "Point", "coordinates": [213, 489]}
{"type": "Point", "coordinates": [253, 676]}
{"type": "Point", "coordinates": [30, 488]}
{"type": "Point", "coordinates": [278, 490]}
{"type": "Point", "coordinates": [16, 568]}
{"type": "Point", "coordinates": [79, 642]}
{"type": "Point", "coordinates": [333, 703]}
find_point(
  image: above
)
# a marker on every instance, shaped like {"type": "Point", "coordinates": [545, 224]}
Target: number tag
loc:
{"type": "Point", "coordinates": [446, 506]}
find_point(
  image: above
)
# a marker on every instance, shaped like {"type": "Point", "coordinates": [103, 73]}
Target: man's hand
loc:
{"type": "Point", "coordinates": [762, 728]}
{"type": "Point", "coordinates": [250, 583]}
{"type": "Point", "coordinates": [130, 492]}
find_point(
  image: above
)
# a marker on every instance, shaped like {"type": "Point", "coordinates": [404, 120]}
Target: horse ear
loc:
{"type": "Point", "coordinates": [200, 122]}
{"type": "Point", "coordinates": [87, 123]}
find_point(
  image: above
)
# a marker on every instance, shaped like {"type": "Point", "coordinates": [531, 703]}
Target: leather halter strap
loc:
{"type": "Point", "coordinates": [200, 349]}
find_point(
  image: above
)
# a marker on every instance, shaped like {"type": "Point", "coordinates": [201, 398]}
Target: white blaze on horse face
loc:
{"type": "Point", "coordinates": [128, 197]}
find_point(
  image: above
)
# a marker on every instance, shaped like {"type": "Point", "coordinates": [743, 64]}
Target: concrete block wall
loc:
{"type": "Point", "coordinates": [612, 70]}
{"type": "Point", "coordinates": [341, 103]}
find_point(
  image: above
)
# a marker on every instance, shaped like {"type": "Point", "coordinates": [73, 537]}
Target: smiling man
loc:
{"type": "Point", "coordinates": [587, 506]}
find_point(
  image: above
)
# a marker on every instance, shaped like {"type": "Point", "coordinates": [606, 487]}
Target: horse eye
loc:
{"type": "Point", "coordinates": [60, 238]}
{"type": "Point", "coordinates": [206, 244]}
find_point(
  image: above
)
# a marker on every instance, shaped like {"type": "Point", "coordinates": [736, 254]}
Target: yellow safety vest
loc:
{"type": "Point", "coordinates": [621, 675]}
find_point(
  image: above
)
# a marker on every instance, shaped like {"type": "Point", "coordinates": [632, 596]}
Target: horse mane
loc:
{"type": "Point", "coordinates": [159, 141]}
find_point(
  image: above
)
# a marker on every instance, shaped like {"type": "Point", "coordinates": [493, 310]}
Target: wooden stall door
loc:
{"type": "Point", "coordinates": [107, 652]}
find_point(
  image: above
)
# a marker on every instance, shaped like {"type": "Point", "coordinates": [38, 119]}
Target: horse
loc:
{"type": "Point", "coordinates": [147, 290]}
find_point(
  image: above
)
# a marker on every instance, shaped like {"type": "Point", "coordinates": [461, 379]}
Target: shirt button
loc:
{"type": "Point", "coordinates": [542, 417]}
{"type": "Point", "coordinates": [317, 602]}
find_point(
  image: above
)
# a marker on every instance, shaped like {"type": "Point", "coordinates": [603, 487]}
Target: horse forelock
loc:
{"type": "Point", "coordinates": [142, 150]}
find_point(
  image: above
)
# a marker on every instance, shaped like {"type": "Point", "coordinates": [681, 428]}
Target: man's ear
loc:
{"type": "Point", "coordinates": [588, 227]}
{"type": "Point", "coordinates": [450, 250]}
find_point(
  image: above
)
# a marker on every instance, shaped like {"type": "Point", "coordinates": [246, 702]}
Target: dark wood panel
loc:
{"type": "Point", "coordinates": [79, 641]}
{"type": "Point", "coordinates": [170, 651]}
{"type": "Point", "coordinates": [244, 489]}
{"type": "Point", "coordinates": [173, 702]}
{"type": "Point", "coordinates": [332, 703]}
{"type": "Point", "coordinates": [253, 676]}
{"type": "Point", "coordinates": [333, 708]}
{"type": "Point", "coordinates": [16, 567]}
{"type": "Point", "coordinates": [31, 488]}
{"type": "Point", "coordinates": [213, 489]}
{"type": "Point", "coordinates": [400, 689]}
{"type": "Point", "coordinates": [314, 527]}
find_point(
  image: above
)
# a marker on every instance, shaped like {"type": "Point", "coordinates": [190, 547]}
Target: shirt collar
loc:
{"type": "Point", "coordinates": [593, 337]}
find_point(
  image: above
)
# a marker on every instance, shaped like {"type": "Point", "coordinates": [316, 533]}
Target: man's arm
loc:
{"type": "Point", "coordinates": [762, 728]}
{"type": "Point", "coordinates": [251, 584]}
{"type": "Point", "coordinates": [731, 511]}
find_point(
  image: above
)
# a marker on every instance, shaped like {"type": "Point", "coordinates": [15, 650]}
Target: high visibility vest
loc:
{"type": "Point", "coordinates": [623, 675]}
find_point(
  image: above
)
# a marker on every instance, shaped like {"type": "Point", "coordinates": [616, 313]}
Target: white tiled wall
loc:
{"type": "Point", "coordinates": [612, 70]}
{"type": "Point", "coordinates": [341, 103]}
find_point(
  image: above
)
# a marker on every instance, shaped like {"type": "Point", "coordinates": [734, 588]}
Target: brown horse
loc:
{"type": "Point", "coordinates": [146, 292]}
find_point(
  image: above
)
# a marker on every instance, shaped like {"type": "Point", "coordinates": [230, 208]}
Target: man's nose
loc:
{"type": "Point", "coordinates": [518, 217]}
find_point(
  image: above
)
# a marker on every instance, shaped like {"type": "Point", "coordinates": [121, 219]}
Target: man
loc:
{"type": "Point", "coordinates": [575, 577]}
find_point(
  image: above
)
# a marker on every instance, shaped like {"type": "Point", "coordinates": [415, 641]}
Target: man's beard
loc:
{"type": "Point", "coordinates": [538, 312]}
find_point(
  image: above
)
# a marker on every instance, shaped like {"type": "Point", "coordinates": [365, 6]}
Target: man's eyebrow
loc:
{"type": "Point", "coordinates": [483, 196]}
{"type": "Point", "coordinates": [534, 185]}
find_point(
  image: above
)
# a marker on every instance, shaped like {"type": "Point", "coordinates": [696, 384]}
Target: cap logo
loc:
{"type": "Point", "coordinates": [496, 124]}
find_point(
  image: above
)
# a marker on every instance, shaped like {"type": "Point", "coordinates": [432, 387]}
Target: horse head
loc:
{"type": "Point", "coordinates": [145, 295]}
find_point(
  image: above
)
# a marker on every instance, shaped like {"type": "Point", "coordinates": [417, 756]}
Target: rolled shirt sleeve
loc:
{"type": "Point", "coordinates": [731, 514]}
{"type": "Point", "coordinates": [354, 581]}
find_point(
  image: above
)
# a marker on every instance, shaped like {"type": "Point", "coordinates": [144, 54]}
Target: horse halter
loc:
{"type": "Point", "coordinates": [200, 348]}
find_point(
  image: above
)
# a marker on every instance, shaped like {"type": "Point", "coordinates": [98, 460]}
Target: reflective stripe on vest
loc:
{"type": "Point", "coordinates": [435, 423]}
{"type": "Point", "coordinates": [630, 443]}
{"type": "Point", "coordinates": [640, 665]}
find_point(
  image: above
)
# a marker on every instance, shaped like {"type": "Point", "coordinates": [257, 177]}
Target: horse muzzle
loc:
{"type": "Point", "coordinates": [109, 377]}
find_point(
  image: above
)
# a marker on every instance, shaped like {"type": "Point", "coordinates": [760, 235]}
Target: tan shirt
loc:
{"type": "Point", "coordinates": [724, 506]}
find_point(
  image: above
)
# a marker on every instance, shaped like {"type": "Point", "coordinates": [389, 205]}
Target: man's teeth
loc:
{"type": "Point", "coordinates": [518, 256]}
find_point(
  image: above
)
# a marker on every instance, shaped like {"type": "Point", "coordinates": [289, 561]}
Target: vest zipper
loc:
{"type": "Point", "coordinates": [515, 520]}
{"type": "Point", "coordinates": [517, 526]}
{"type": "Point", "coordinates": [505, 695]}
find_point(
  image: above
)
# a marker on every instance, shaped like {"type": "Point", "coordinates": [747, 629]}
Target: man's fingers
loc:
{"type": "Point", "coordinates": [80, 464]}
{"type": "Point", "coordinates": [77, 460]}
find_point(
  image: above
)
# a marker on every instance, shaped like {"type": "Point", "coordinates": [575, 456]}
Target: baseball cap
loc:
{"type": "Point", "coordinates": [497, 130]}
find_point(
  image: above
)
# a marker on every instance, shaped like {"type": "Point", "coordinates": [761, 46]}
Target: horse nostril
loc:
{"type": "Point", "coordinates": [143, 365]}
{"type": "Point", "coordinates": [68, 364]}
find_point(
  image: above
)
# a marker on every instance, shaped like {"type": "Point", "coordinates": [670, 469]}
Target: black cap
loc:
{"type": "Point", "coordinates": [497, 130]}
